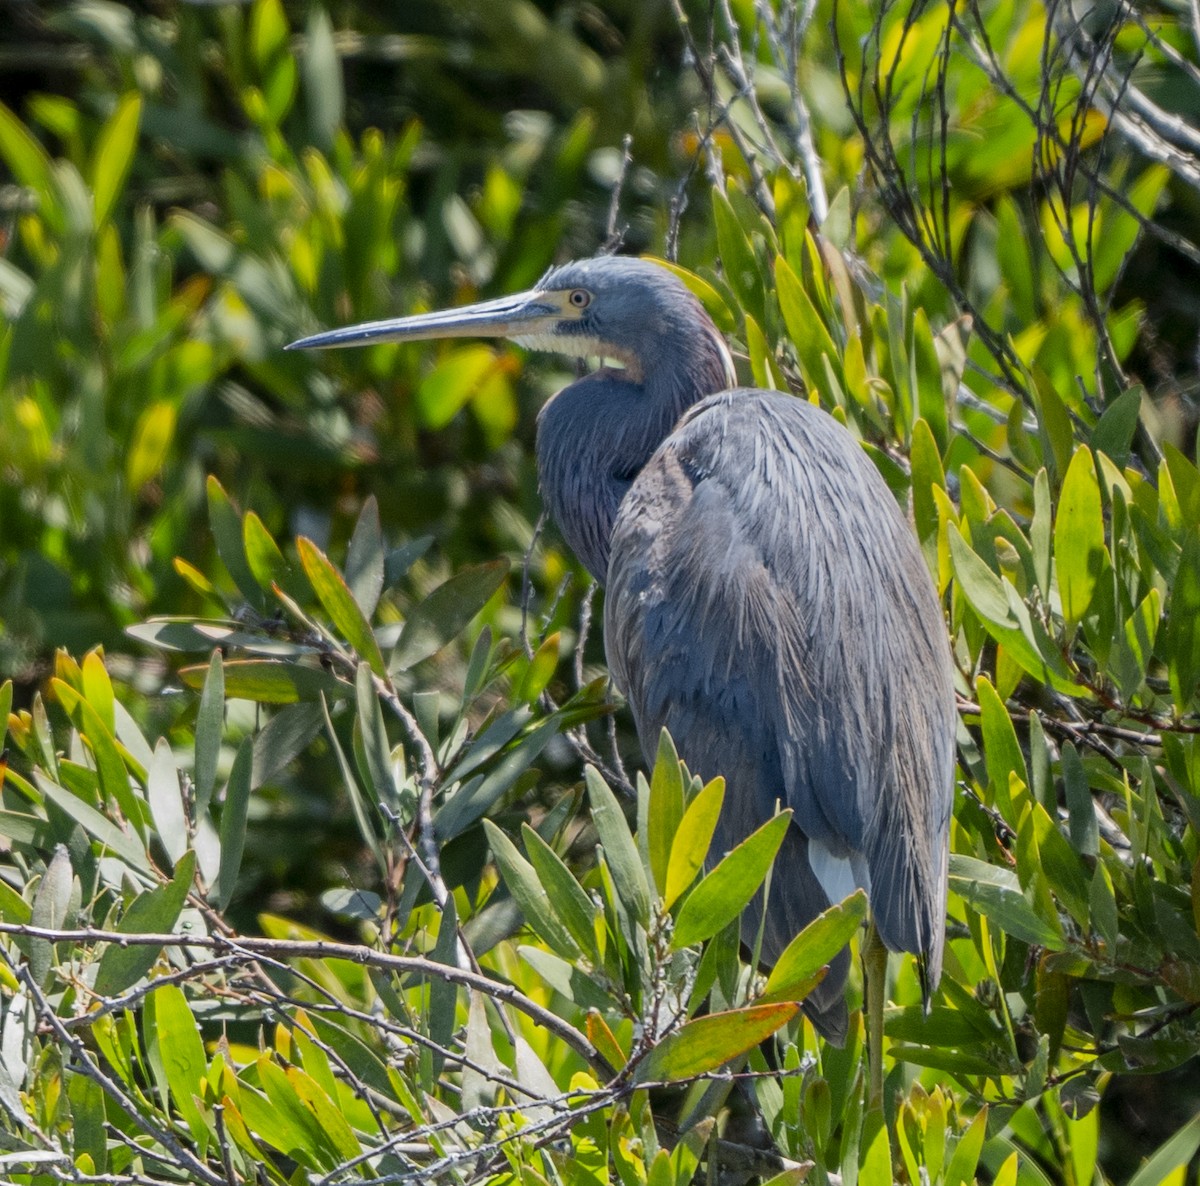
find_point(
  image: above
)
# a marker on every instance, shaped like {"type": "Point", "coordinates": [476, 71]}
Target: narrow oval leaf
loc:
{"type": "Point", "coordinates": [996, 894]}
{"type": "Point", "coordinates": [605, 1040]}
{"type": "Point", "coordinates": [98, 689]}
{"type": "Point", "coordinates": [620, 852]}
{"type": "Point", "coordinates": [797, 970]}
{"type": "Point", "coordinates": [50, 904]}
{"type": "Point", "coordinates": [210, 726]}
{"type": "Point", "coordinates": [522, 881]}
{"type": "Point", "coordinates": [365, 557]}
{"type": "Point", "coordinates": [166, 801]}
{"type": "Point", "coordinates": [566, 895]}
{"type": "Point", "coordinates": [665, 809]}
{"type": "Point", "coordinates": [233, 822]}
{"type": "Point", "coordinates": [226, 526]}
{"type": "Point", "coordinates": [173, 1043]}
{"type": "Point", "coordinates": [692, 839]}
{"type": "Point", "coordinates": [266, 561]}
{"type": "Point", "coordinates": [114, 155]}
{"type": "Point", "coordinates": [154, 912]}
{"type": "Point", "coordinates": [727, 890]}
{"type": "Point", "coordinates": [110, 766]}
{"type": "Point", "coordinates": [446, 612]}
{"type": "Point", "coordinates": [334, 594]}
{"type": "Point", "coordinates": [268, 681]}
{"type": "Point", "coordinates": [709, 1042]}
{"type": "Point", "coordinates": [1079, 553]}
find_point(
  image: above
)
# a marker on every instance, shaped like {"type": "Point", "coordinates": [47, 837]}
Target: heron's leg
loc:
{"type": "Point", "coordinates": [875, 962]}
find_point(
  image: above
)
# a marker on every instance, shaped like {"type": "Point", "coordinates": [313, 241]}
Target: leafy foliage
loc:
{"type": "Point", "coordinates": [372, 894]}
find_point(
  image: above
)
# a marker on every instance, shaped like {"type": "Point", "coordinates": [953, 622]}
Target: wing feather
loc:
{"type": "Point", "coordinates": [768, 603]}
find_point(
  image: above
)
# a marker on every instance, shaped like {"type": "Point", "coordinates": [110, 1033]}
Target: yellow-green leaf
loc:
{"type": "Point", "coordinates": [727, 890]}
{"type": "Point", "coordinates": [267, 681]}
{"type": "Point", "coordinates": [1080, 557]}
{"type": "Point", "coordinates": [114, 155]}
{"type": "Point", "coordinates": [334, 594]}
{"type": "Point", "coordinates": [797, 970]}
{"type": "Point", "coordinates": [151, 441]}
{"type": "Point", "coordinates": [709, 1042]}
{"type": "Point", "coordinates": [691, 841]}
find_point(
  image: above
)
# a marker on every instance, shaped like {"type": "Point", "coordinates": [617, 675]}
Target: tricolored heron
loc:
{"type": "Point", "coordinates": [766, 599]}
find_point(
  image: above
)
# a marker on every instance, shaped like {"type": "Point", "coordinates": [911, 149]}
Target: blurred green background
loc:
{"type": "Point", "coordinates": [188, 187]}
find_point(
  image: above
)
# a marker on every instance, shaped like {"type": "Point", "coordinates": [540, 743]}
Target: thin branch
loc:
{"type": "Point", "coordinates": [355, 953]}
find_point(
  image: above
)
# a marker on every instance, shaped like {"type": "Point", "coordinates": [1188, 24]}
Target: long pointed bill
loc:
{"type": "Point", "coordinates": [528, 314]}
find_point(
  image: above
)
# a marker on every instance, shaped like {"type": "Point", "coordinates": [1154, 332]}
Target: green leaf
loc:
{"type": "Point", "coordinates": [1176, 1151]}
{"type": "Point", "coordinates": [88, 1135]}
{"type": "Point", "coordinates": [334, 594]}
{"type": "Point", "coordinates": [151, 443]}
{"type": "Point", "coordinates": [324, 93]}
{"type": "Point", "coordinates": [1080, 557]}
{"type": "Point", "coordinates": [398, 561]}
{"type": "Point", "coordinates": [965, 1159]}
{"type": "Point", "coordinates": [165, 799]}
{"type": "Point", "coordinates": [358, 803]}
{"type": "Point", "coordinates": [804, 325]}
{"type": "Point", "coordinates": [709, 1042]}
{"type": "Point", "coordinates": [1183, 624]}
{"type": "Point", "coordinates": [797, 970]}
{"type": "Point", "coordinates": [1001, 749]}
{"type": "Point", "coordinates": [286, 735]}
{"type": "Point", "coordinates": [665, 809]}
{"type": "Point", "coordinates": [738, 261]}
{"type": "Point", "coordinates": [540, 671]}
{"type": "Point", "coordinates": [996, 894]}
{"type": "Point", "coordinates": [530, 894]}
{"type": "Point", "coordinates": [1054, 424]}
{"type": "Point", "coordinates": [566, 896]}
{"type": "Point", "coordinates": [226, 526]}
{"type": "Point", "coordinates": [98, 689]}
{"type": "Point", "coordinates": [266, 561]}
{"type": "Point", "coordinates": [110, 766]}
{"type": "Point", "coordinates": [690, 844]}
{"type": "Point", "coordinates": [114, 153]}
{"type": "Point", "coordinates": [1113, 434]}
{"type": "Point", "coordinates": [50, 904]}
{"type": "Point", "coordinates": [620, 851]}
{"type": "Point", "coordinates": [727, 890]}
{"type": "Point", "coordinates": [927, 379]}
{"type": "Point", "coordinates": [365, 557]}
{"type": "Point", "coordinates": [154, 912]}
{"type": "Point", "coordinates": [1006, 618]}
{"type": "Point", "coordinates": [29, 163]}
{"type": "Point", "coordinates": [1185, 482]}
{"type": "Point", "coordinates": [1081, 811]}
{"type": "Point", "coordinates": [128, 848]}
{"type": "Point", "coordinates": [268, 681]}
{"type": "Point", "coordinates": [233, 822]}
{"type": "Point", "coordinates": [443, 993]}
{"type": "Point", "coordinates": [446, 612]}
{"type": "Point", "coordinates": [376, 764]}
{"type": "Point", "coordinates": [210, 727]}
{"type": "Point", "coordinates": [173, 1045]}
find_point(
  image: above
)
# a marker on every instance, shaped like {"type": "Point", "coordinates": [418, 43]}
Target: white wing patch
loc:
{"type": "Point", "coordinates": [839, 876]}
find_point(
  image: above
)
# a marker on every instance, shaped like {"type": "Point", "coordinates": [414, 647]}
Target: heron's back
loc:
{"type": "Point", "coordinates": [768, 603]}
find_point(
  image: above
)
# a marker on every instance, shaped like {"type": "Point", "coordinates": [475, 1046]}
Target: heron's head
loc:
{"type": "Point", "coordinates": [631, 310]}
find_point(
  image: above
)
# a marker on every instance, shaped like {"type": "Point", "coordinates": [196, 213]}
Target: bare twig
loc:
{"type": "Point", "coordinates": [324, 949]}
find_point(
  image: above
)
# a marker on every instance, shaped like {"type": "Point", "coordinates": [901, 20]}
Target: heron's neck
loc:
{"type": "Point", "coordinates": [595, 436]}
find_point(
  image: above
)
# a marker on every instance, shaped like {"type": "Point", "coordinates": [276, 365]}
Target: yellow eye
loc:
{"type": "Point", "coordinates": [580, 298]}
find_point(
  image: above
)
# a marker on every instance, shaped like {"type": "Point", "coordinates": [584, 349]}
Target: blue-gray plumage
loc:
{"type": "Point", "coordinates": [766, 600]}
